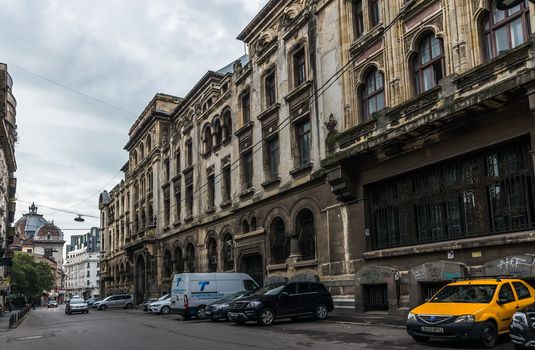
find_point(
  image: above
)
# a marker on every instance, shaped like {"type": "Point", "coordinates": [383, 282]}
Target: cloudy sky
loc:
{"type": "Point", "coordinates": [120, 52]}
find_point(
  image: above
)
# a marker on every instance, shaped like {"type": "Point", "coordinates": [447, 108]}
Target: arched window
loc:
{"type": "Point", "coordinates": [167, 264]}
{"type": "Point", "coordinates": [149, 145]}
{"type": "Point", "coordinates": [253, 224]}
{"type": "Point", "coordinates": [372, 94]}
{"type": "Point", "coordinates": [179, 261]}
{"type": "Point", "coordinates": [207, 139]}
{"type": "Point", "coordinates": [228, 252]}
{"type": "Point", "coordinates": [218, 132]}
{"type": "Point", "coordinates": [244, 226]}
{"type": "Point", "coordinates": [280, 244]}
{"type": "Point", "coordinates": [505, 30]}
{"type": "Point", "coordinates": [304, 224]}
{"type": "Point", "coordinates": [212, 255]}
{"type": "Point", "coordinates": [428, 64]}
{"type": "Point", "coordinates": [141, 151]}
{"type": "Point", "coordinates": [227, 125]}
{"type": "Point", "coordinates": [190, 257]}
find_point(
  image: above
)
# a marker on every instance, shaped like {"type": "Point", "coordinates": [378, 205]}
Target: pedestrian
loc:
{"type": "Point", "coordinates": [9, 306]}
{"type": "Point", "coordinates": [33, 305]}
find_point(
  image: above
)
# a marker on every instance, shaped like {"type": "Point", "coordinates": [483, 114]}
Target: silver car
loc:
{"type": "Point", "coordinates": [76, 305]}
{"type": "Point", "coordinates": [124, 301]}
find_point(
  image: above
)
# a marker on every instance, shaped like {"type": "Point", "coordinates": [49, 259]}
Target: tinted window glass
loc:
{"type": "Point", "coordinates": [291, 288]}
{"type": "Point", "coordinates": [506, 293]}
{"type": "Point", "coordinates": [249, 285]}
{"type": "Point", "coordinates": [521, 290]}
{"type": "Point", "coordinates": [303, 288]}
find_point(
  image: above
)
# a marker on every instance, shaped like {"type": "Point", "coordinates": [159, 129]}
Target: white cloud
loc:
{"type": "Point", "coordinates": [121, 52]}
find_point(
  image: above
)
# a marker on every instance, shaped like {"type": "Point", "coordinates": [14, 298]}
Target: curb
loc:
{"type": "Point", "coordinates": [367, 324]}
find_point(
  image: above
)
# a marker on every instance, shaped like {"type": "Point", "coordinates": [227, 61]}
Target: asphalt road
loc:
{"type": "Point", "coordinates": [51, 329]}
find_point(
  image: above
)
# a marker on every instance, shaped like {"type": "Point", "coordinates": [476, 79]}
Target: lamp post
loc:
{"type": "Point", "coordinates": [508, 4]}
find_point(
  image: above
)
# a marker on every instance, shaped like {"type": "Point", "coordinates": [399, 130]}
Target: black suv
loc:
{"type": "Point", "coordinates": [522, 331]}
{"type": "Point", "coordinates": [276, 301]}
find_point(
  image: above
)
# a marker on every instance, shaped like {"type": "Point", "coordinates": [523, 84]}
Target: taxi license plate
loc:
{"type": "Point", "coordinates": [433, 329]}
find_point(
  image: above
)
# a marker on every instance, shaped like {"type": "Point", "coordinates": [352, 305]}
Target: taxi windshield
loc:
{"type": "Point", "coordinates": [472, 293]}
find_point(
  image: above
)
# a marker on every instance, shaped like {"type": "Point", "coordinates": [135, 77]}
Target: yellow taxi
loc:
{"type": "Point", "coordinates": [470, 310]}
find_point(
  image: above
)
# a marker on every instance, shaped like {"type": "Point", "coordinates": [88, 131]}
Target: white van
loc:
{"type": "Point", "coordinates": [191, 292]}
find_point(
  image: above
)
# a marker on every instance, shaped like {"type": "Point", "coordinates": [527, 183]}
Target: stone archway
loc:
{"type": "Point", "coordinates": [140, 279]}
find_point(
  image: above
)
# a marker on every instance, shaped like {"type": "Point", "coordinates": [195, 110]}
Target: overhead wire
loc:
{"type": "Point", "coordinates": [314, 97]}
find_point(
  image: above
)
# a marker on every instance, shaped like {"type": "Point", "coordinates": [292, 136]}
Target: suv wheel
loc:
{"type": "Point", "coordinates": [165, 310]}
{"type": "Point", "coordinates": [320, 312]}
{"type": "Point", "coordinates": [200, 314]}
{"type": "Point", "coordinates": [128, 306]}
{"type": "Point", "coordinates": [489, 336]}
{"type": "Point", "coordinates": [266, 317]}
{"type": "Point", "coordinates": [102, 307]}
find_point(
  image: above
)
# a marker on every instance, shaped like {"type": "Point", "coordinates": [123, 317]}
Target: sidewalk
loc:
{"type": "Point", "coordinates": [350, 315]}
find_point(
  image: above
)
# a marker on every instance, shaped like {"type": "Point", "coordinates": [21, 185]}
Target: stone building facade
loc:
{"type": "Point", "coordinates": [8, 183]}
{"type": "Point", "coordinates": [432, 162]}
{"type": "Point", "coordinates": [82, 265]}
{"type": "Point", "coordinates": [382, 147]}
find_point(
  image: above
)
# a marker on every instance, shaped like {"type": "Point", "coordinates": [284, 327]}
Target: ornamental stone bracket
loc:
{"type": "Point", "coordinates": [342, 184]}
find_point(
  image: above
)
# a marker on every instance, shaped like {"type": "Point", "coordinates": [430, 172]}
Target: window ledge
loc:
{"type": "Point", "coordinates": [247, 192]}
{"type": "Point", "coordinates": [176, 177]}
{"type": "Point", "coordinates": [210, 210]}
{"type": "Point", "coordinates": [306, 263]}
{"type": "Point", "coordinates": [244, 128]}
{"type": "Point", "coordinates": [271, 182]}
{"type": "Point", "coordinates": [300, 170]}
{"type": "Point", "coordinates": [274, 267]}
{"type": "Point", "coordinates": [187, 169]}
{"type": "Point", "coordinates": [297, 91]}
{"type": "Point", "coordinates": [226, 141]}
{"type": "Point", "coordinates": [176, 223]}
{"type": "Point", "coordinates": [466, 243]}
{"type": "Point", "coordinates": [269, 111]}
{"type": "Point", "coordinates": [225, 204]}
{"type": "Point", "coordinates": [189, 218]}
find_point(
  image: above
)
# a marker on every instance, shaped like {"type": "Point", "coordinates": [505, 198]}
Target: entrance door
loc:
{"type": "Point", "coordinates": [253, 266]}
{"type": "Point", "coordinates": [140, 279]}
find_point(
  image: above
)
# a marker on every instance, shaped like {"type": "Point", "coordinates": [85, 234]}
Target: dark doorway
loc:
{"type": "Point", "coordinates": [140, 279]}
{"type": "Point", "coordinates": [428, 289]}
{"type": "Point", "coordinates": [375, 297]}
{"type": "Point", "coordinates": [253, 266]}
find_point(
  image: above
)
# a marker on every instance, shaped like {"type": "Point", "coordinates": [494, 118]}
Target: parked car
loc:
{"type": "Point", "coordinates": [522, 330]}
{"type": "Point", "coordinates": [218, 310]}
{"type": "Point", "coordinates": [191, 292]}
{"type": "Point", "coordinates": [470, 310]}
{"type": "Point", "coordinates": [291, 300]}
{"type": "Point", "coordinates": [91, 301]}
{"type": "Point", "coordinates": [124, 301]}
{"type": "Point", "coordinates": [147, 302]}
{"type": "Point", "coordinates": [161, 305]}
{"type": "Point", "coordinates": [52, 303]}
{"type": "Point", "coordinates": [76, 305]}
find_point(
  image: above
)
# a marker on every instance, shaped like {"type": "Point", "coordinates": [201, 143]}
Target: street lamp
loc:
{"type": "Point", "coordinates": [508, 4]}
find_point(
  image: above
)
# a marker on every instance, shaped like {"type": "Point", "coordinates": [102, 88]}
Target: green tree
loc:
{"type": "Point", "coordinates": [30, 276]}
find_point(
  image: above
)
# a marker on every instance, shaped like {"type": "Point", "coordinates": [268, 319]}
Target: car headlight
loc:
{"type": "Point", "coordinates": [223, 306]}
{"type": "Point", "coordinates": [155, 305]}
{"type": "Point", "coordinates": [411, 316]}
{"type": "Point", "coordinates": [254, 304]}
{"type": "Point", "coordinates": [465, 318]}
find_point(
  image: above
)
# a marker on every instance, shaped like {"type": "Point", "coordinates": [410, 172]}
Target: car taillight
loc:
{"type": "Point", "coordinates": [186, 302]}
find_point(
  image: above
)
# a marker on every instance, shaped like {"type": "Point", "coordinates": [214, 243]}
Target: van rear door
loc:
{"type": "Point", "coordinates": [178, 290]}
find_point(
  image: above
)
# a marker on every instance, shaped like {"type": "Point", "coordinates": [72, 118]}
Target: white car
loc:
{"type": "Point", "coordinates": [161, 306]}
